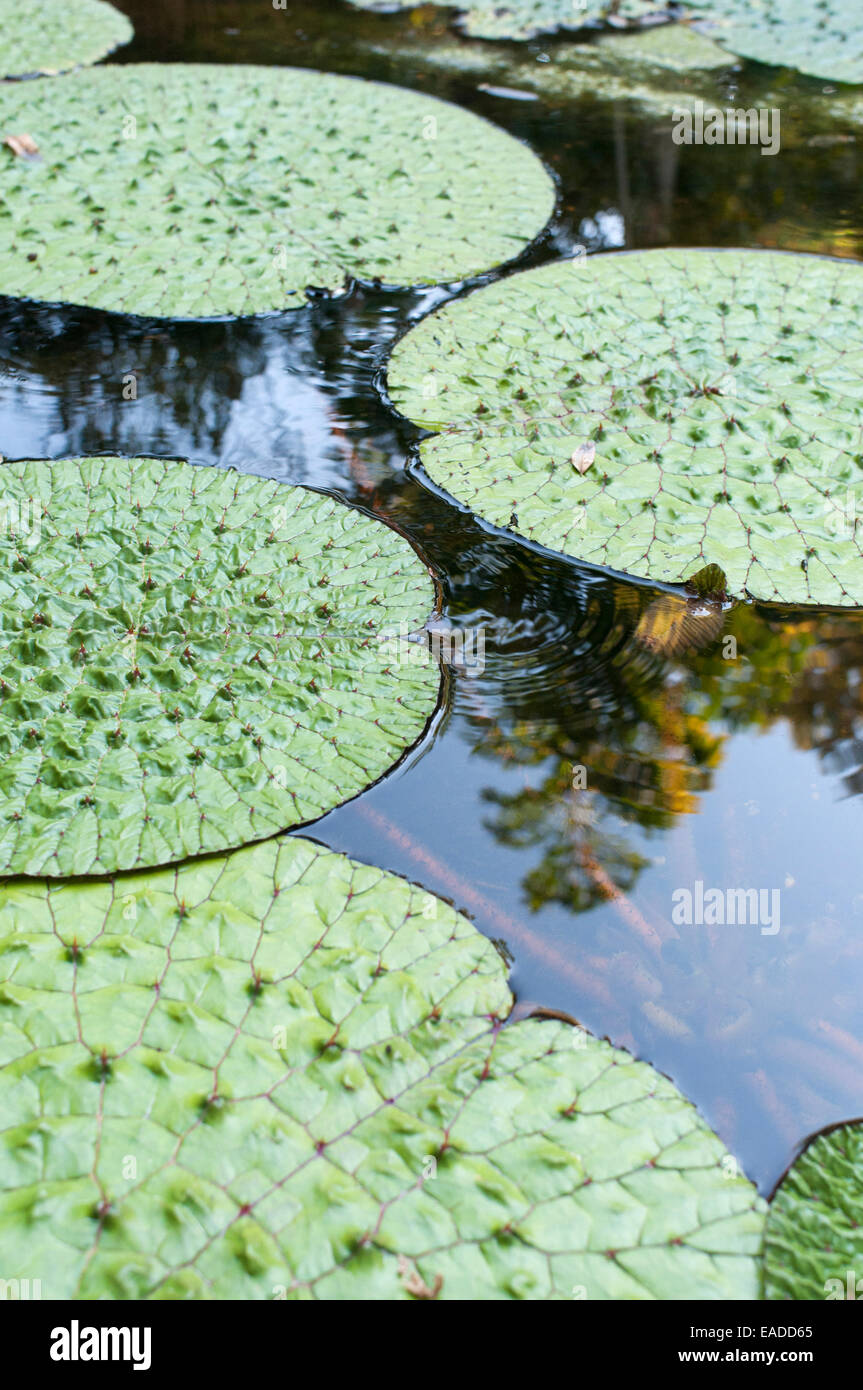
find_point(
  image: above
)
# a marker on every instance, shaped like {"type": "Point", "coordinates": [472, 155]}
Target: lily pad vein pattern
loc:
{"type": "Point", "coordinates": [813, 1244]}
{"type": "Point", "coordinates": [187, 192]}
{"type": "Point", "coordinates": [283, 1074]}
{"type": "Point", "coordinates": [721, 392]}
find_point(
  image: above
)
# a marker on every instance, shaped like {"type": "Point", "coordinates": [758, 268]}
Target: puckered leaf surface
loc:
{"type": "Point", "coordinates": [721, 390]}
{"type": "Point", "coordinates": [192, 659]}
{"type": "Point", "coordinates": [186, 191]}
{"type": "Point", "coordinates": [824, 39]}
{"type": "Point", "coordinates": [54, 35]}
{"type": "Point", "coordinates": [282, 1074]}
{"type": "Point", "coordinates": [813, 1245]}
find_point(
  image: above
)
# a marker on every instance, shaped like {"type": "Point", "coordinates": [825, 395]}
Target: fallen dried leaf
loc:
{"type": "Point", "coordinates": [23, 146]}
{"type": "Point", "coordinates": [583, 457]}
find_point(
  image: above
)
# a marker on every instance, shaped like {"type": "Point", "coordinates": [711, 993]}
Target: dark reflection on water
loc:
{"type": "Point", "coordinates": [741, 771]}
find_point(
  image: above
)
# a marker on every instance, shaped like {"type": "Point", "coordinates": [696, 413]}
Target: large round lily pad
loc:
{"type": "Point", "coordinates": [824, 39]}
{"type": "Point", "coordinates": [189, 191]}
{"type": "Point", "coordinates": [813, 1246]}
{"type": "Point", "coordinates": [656, 412]}
{"type": "Point", "coordinates": [524, 19]}
{"type": "Point", "coordinates": [281, 1074]}
{"type": "Point", "coordinates": [47, 36]}
{"type": "Point", "coordinates": [191, 659]}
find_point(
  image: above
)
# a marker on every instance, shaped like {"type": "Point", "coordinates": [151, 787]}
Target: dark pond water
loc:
{"type": "Point", "coordinates": [743, 773]}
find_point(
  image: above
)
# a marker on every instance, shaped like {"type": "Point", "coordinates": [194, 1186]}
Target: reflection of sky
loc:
{"type": "Point", "coordinates": [276, 425]}
{"type": "Point", "coordinates": [603, 232]}
{"type": "Point", "coordinates": [244, 396]}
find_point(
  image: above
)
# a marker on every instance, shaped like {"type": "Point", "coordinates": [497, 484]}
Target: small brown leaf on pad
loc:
{"type": "Point", "coordinates": [583, 457]}
{"type": "Point", "coordinates": [22, 146]}
{"type": "Point", "coordinates": [414, 1283]}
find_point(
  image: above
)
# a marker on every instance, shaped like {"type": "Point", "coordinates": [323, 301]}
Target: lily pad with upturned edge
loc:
{"type": "Point", "coordinates": [823, 39]}
{"type": "Point", "coordinates": [721, 391]}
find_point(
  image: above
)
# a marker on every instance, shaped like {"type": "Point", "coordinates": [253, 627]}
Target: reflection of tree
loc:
{"type": "Point", "coordinates": [97, 383]}
{"type": "Point", "coordinates": [566, 826]}
{"type": "Point", "coordinates": [825, 706]}
{"type": "Point", "coordinates": [277, 395]}
{"type": "Point", "coordinates": [806, 671]}
{"type": "Point", "coordinates": [559, 695]}
{"type": "Point", "coordinates": [649, 775]}
{"type": "Point", "coordinates": [753, 686]}
{"type": "Point", "coordinates": [621, 715]}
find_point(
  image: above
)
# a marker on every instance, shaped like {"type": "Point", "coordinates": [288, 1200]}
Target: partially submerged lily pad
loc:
{"type": "Point", "coordinates": [674, 46]}
{"type": "Point", "coordinates": [813, 1245]}
{"type": "Point", "coordinates": [186, 191]}
{"type": "Point", "coordinates": [721, 391]}
{"type": "Point", "coordinates": [593, 71]}
{"type": "Point", "coordinates": [824, 39]}
{"type": "Point", "coordinates": [671, 66]}
{"type": "Point", "coordinates": [281, 1074]}
{"type": "Point", "coordinates": [677, 623]}
{"type": "Point", "coordinates": [708, 584]}
{"type": "Point", "coordinates": [641, 68]}
{"type": "Point", "coordinates": [524, 19]}
{"type": "Point", "coordinates": [192, 659]}
{"type": "Point", "coordinates": [44, 36]}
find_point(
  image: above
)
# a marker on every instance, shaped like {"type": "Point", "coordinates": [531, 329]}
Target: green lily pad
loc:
{"type": "Point", "coordinates": [642, 69]}
{"type": "Point", "coordinates": [813, 1245]}
{"type": "Point", "coordinates": [656, 412]}
{"type": "Point", "coordinates": [668, 47]}
{"type": "Point", "coordinates": [192, 659]}
{"type": "Point", "coordinates": [674, 46]}
{"type": "Point", "coordinates": [524, 19]}
{"type": "Point", "coordinates": [183, 191]}
{"type": "Point", "coordinates": [823, 39]}
{"type": "Point", "coordinates": [44, 36]}
{"type": "Point", "coordinates": [639, 68]}
{"type": "Point", "coordinates": [281, 1074]}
